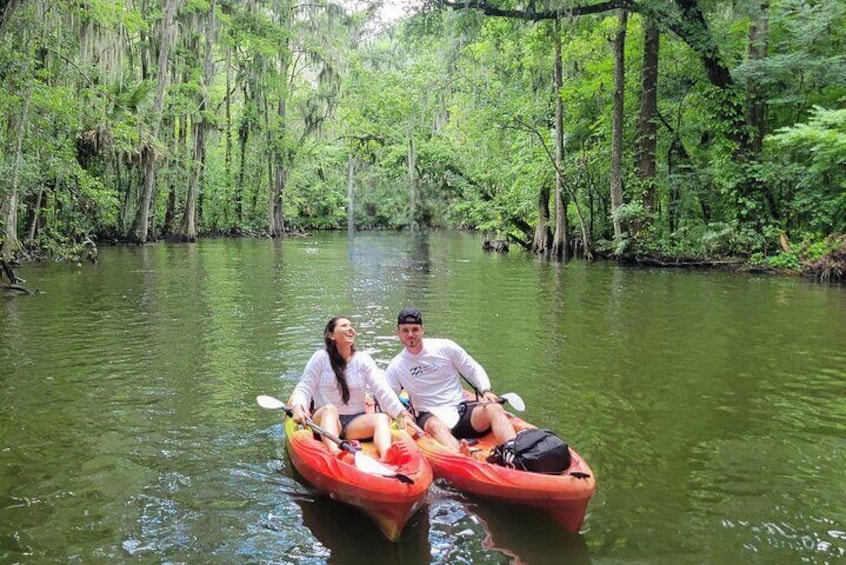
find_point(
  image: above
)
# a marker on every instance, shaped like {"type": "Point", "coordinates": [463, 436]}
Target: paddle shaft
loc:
{"type": "Point", "coordinates": [502, 399]}
{"type": "Point", "coordinates": [476, 390]}
{"type": "Point", "coordinates": [343, 444]}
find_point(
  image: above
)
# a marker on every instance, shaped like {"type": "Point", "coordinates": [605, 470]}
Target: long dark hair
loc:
{"type": "Point", "coordinates": [338, 363]}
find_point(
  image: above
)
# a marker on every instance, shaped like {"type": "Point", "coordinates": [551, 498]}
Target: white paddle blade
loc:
{"type": "Point", "coordinates": [514, 400]}
{"type": "Point", "coordinates": [269, 402]}
{"type": "Point", "coordinates": [367, 464]}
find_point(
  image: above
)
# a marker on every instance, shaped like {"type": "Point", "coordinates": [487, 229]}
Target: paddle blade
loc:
{"type": "Point", "coordinates": [269, 402]}
{"type": "Point", "coordinates": [367, 464]}
{"type": "Point", "coordinates": [514, 400]}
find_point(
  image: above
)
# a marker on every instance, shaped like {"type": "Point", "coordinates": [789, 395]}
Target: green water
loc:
{"type": "Point", "coordinates": [711, 406]}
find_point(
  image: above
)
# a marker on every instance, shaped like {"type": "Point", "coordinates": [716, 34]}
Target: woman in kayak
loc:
{"type": "Point", "coordinates": [335, 383]}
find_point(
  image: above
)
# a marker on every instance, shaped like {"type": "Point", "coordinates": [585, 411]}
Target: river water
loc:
{"type": "Point", "coordinates": [711, 406]}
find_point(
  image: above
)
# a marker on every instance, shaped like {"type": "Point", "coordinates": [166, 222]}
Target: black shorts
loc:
{"type": "Point", "coordinates": [463, 429]}
{"type": "Point", "coordinates": [345, 421]}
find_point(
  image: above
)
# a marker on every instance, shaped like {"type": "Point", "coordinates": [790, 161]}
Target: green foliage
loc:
{"type": "Point", "coordinates": [822, 139]}
{"type": "Point", "coordinates": [472, 95]}
{"type": "Point", "coordinates": [783, 260]}
{"type": "Point", "coordinates": [807, 166]}
{"type": "Point", "coordinates": [830, 265]}
{"type": "Point", "coordinates": [825, 257]}
{"type": "Point", "coordinates": [717, 239]}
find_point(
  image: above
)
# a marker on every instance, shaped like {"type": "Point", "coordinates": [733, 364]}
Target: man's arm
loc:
{"type": "Point", "coordinates": [469, 368]}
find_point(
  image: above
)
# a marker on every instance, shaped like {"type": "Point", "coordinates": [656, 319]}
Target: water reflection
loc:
{"type": "Point", "coordinates": [352, 538]}
{"type": "Point", "coordinates": [418, 251]}
{"type": "Point", "coordinates": [527, 536]}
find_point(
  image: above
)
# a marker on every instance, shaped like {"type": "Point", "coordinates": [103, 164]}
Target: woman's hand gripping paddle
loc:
{"type": "Point", "coordinates": [363, 462]}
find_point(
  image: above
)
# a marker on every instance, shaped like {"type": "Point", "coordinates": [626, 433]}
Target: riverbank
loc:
{"type": "Point", "coordinates": [825, 263]}
{"type": "Point", "coordinates": [826, 266]}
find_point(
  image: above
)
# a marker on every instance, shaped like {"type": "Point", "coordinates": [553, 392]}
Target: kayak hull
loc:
{"type": "Point", "coordinates": [564, 496]}
{"type": "Point", "coordinates": [386, 500]}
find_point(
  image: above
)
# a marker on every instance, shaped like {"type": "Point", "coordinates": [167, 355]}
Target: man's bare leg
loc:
{"type": "Point", "coordinates": [438, 430]}
{"type": "Point", "coordinates": [493, 416]}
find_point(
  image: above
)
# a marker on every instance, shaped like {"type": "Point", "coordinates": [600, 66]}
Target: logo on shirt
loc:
{"type": "Point", "coordinates": [423, 369]}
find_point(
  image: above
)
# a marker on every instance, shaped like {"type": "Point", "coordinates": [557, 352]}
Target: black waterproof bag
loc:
{"type": "Point", "coordinates": [534, 450]}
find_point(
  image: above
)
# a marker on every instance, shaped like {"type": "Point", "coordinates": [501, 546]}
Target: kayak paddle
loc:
{"type": "Point", "coordinates": [514, 400]}
{"type": "Point", "coordinates": [363, 462]}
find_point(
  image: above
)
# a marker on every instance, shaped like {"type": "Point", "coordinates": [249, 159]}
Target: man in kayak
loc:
{"type": "Point", "coordinates": [429, 370]}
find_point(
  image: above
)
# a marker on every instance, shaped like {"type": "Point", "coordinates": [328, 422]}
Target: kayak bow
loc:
{"type": "Point", "coordinates": [388, 501]}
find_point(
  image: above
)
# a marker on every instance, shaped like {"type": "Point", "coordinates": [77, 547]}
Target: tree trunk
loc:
{"type": "Point", "coordinates": [188, 225]}
{"type": "Point", "coordinates": [412, 186]}
{"type": "Point", "coordinates": [755, 103]}
{"type": "Point", "coordinates": [243, 136]}
{"type": "Point", "coordinates": [11, 245]}
{"type": "Point", "coordinates": [351, 194]}
{"type": "Point", "coordinates": [148, 154]}
{"type": "Point", "coordinates": [617, 127]}
{"type": "Point", "coordinates": [541, 241]}
{"type": "Point", "coordinates": [32, 229]}
{"type": "Point", "coordinates": [647, 125]}
{"type": "Point", "coordinates": [227, 159]}
{"type": "Point", "coordinates": [148, 172]}
{"type": "Point", "coordinates": [6, 9]}
{"type": "Point", "coordinates": [179, 154]}
{"type": "Point", "coordinates": [676, 158]}
{"type": "Point", "coordinates": [560, 240]}
{"type": "Point", "coordinates": [279, 178]}
{"type": "Point", "coordinates": [188, 228]}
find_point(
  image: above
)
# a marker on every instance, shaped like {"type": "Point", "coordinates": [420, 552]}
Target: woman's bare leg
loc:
{"type": "Point", "coordinates": [377, 426]}
{"type": "Point", "coordinates": [327, 418]}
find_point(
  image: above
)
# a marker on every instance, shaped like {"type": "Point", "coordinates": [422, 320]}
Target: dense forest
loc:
{"type": "Point", "coordinates": [677, 131]}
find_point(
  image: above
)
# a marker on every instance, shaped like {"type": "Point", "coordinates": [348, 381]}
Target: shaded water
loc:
{"type": "Point", "coordinates": [711, 406]}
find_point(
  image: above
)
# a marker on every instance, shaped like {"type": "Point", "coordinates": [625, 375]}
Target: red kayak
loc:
{"type": "Point", "coordinates": [565, 496]}
{"type": "Point", "coordinates": [390, 500]}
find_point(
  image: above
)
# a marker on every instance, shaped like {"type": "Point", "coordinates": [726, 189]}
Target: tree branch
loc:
{"type": "Point", "coordinates": [529, 14]}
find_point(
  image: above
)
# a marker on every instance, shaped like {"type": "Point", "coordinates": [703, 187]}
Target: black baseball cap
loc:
{"type": "Point", "coordinates": [410, 315]}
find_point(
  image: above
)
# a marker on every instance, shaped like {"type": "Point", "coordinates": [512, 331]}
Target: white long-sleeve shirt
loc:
{"type": "Point", "coordinates": [431, 377]}
{"type": "Point", "coordinates": [318, 383]}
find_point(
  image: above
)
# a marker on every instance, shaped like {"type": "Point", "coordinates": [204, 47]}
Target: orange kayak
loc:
{"type": "Point", "coordinates": [565, 496]}
{"type": "Point", "coordinates": [387, 500]}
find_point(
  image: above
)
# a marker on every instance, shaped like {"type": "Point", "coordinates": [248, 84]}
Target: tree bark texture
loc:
{"type": "Point", "coordinates": [148, 153]}
{"type": "Point", "coordinates": [412, 185]}
{"type": "Point", "coordinates": [647, 136]}
{"type": "Point", "coordinates": [560, 240]}
{"type": "Point", "coordinates": [541, 240]}
{"type": "Point", "coordinates": [11, 245]}
{"type": "Point", "coordinates": [351, 194]}
{"type": "Point", "coordinates": [279, 172]}
{"type": "Point", "coordinates": [188, 228]}
{"type": "Point", "coordinates": [757, 50]}
{"type": "Point", "coordinates": [617, 125]}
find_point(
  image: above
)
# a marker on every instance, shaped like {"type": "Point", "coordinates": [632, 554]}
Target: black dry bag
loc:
{"type": "Point", "coordinates": [534, 450]}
